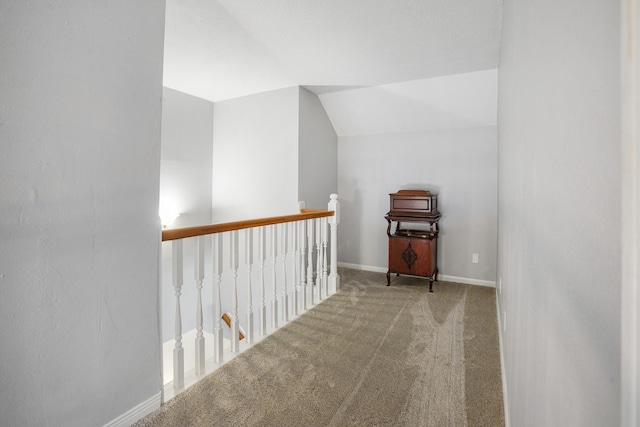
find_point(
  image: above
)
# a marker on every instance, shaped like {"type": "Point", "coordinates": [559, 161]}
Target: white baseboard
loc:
{"type": "Point", "coordinates": [136, 413]}
{"type": "Point", "coordinates": [505, 395]}
{"type": "Point", "coordinates": [467, 281]}
{"type": "Point", "coordinates": [443, 277]}
{"type": "Point", "coordinates": [362, 267]}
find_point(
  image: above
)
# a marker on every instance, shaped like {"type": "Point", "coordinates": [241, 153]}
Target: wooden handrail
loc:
{"type": "Point", "coordinates": [183, 233]}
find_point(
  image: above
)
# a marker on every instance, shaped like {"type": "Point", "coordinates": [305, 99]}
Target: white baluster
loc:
{"type": "Point", "coordinates": [334, 279]}
{"type": "Point", "coordinates": [318, 222]}
{"type": "Point", "coordinates": [296, 254]}
{"type": "Point", "coordinates": [235, 340]}
{"type": "Point", "coordinates": [248, 233]}
{"type": "Point", "coordinates": [199, 276]}
{"type": "Point", "coordinates": [303, 283]}
{"type": "Point", "coordinates": [262, 254]}
{"type": "Point", "coordinates": [325, 272]}
{"type": "Point", "coordinates": [274, 295]}
{"type": "Point", "coordinates": [310, 283]}
{"type": "Point", "coordinates": [178, 351]}
{"type": "Point", "coordinates": [217, 320]}
{"type": "Point", "coordinates": [285, 246]}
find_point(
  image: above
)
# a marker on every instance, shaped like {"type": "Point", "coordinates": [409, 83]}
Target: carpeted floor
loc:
{"type": "Point", "coordinates": [370, 355]}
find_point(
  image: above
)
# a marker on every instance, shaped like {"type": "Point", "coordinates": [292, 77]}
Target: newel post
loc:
{"type": "Point", "coordinates": [334, 279]}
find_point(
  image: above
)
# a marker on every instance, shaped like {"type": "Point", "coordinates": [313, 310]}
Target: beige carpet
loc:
{"type": "Point", "coordinates": [371, 355]}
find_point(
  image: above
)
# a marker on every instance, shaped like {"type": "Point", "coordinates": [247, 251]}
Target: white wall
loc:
{"type": "Point", "coordinates": [559, 212]}
{"type": "Point", "coordinates": [424, 134]}
{"type": "Point", "coordinates": [185, 182]}
{"type": "Point", "coordinates": [317, 153]}
{"type": "Point", "coordinates": [255, 156]}
{"type": "Point", "coordinates": [80, 132]}
{"type": "Point", "coordinates": [630, 221]}
{"type": "Point", "coordinates": [458, 164]}
{"type": "Point", "coordinates": [186, 157]}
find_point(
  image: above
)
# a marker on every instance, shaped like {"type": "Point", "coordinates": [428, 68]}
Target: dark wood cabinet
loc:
{"type": "Point", "coordinates": [413, 234]}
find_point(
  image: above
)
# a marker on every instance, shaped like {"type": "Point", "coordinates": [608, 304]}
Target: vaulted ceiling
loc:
{"type": "Point", "coordinates": [222, 49]}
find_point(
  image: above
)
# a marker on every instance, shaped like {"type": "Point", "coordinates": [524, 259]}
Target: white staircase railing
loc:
{"type": "Point", "coordinates": [303, 270]}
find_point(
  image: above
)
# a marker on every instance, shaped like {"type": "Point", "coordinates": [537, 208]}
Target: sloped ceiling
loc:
{"type": "Point", "coordinates": [222, 49]}
{"type": "Point", "coordinates": [456, 101]}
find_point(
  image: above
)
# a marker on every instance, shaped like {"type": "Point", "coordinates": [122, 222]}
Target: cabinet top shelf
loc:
{"type": "Point", "coordinates": [416, 215]}
{"type": "Point", "coordinates": [411, 217]}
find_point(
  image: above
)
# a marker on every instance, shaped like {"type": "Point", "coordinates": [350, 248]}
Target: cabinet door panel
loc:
{"type": "Point", "coordinates": [411, 256]}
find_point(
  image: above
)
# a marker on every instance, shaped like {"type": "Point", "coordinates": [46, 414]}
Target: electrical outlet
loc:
{"type": "Point", "coordinates": [474, 258]}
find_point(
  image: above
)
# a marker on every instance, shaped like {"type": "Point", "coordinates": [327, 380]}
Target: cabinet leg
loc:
{"type": "Point", "coordinates": [388, 278]}
{"type": "Point", "coordinates": [435, 278]}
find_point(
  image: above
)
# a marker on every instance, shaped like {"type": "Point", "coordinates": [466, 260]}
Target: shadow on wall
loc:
{"type": "Point", "coordinates": [432, 188]}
